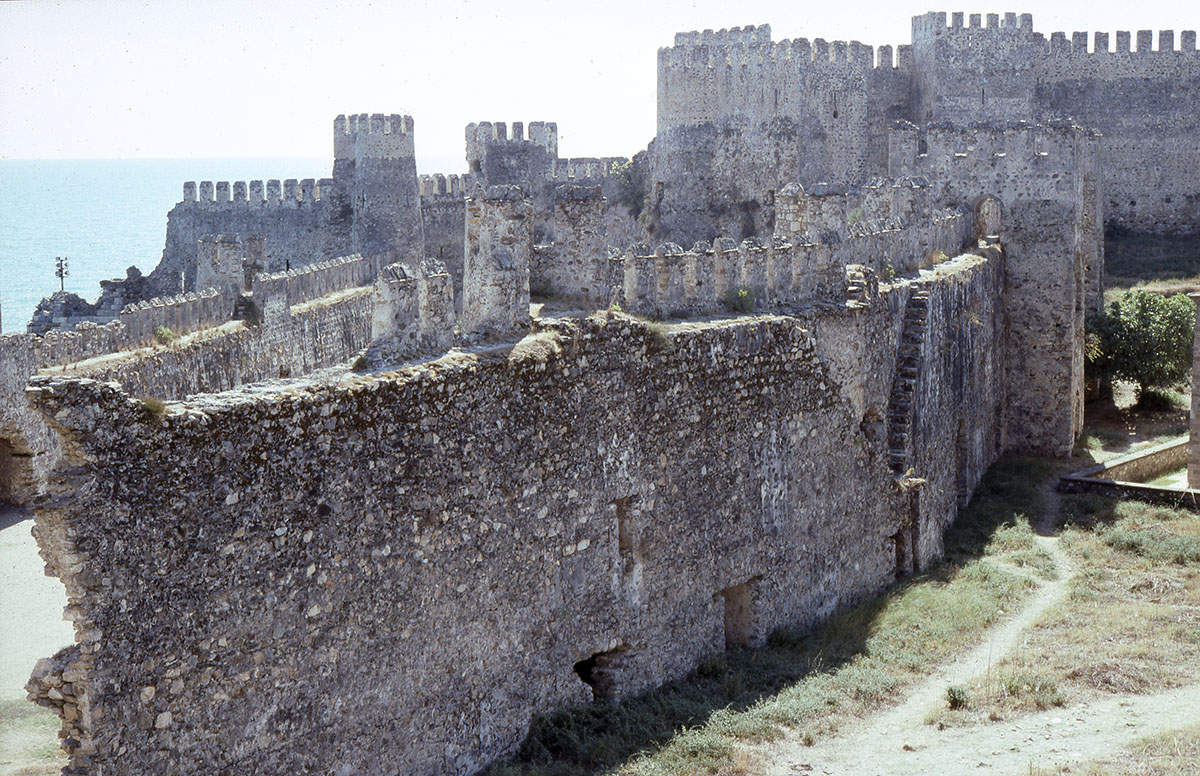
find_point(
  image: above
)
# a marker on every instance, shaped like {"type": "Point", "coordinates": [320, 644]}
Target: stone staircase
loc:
{"type": "Point", "coordinates": [908, 363]}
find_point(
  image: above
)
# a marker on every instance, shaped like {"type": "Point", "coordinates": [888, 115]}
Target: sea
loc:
{"type": "Point", "coordinates": [103, 215]}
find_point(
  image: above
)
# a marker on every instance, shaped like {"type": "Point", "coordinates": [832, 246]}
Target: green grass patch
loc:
{"type": "Point", "coordinates": [1157, 533]}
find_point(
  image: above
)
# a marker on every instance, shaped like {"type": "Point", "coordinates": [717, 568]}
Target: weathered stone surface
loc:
{"type": "Point", "coordinates": [419, 559]}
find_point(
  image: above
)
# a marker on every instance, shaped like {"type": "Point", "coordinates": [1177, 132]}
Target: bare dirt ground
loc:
{"type": "Point", "coordinates": [903, 742]}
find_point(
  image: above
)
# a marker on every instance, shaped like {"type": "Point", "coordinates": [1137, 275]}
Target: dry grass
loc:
{"type": "Point", "coordinates": [1129, 625]}
{"type": "Point", "coordinates": [537, 348]}
{"type": "Point", "coordinates": [1176, 753]}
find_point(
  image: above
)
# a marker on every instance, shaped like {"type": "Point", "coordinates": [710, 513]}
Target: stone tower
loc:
{"type": "Point", "coordinates": [375, 168]}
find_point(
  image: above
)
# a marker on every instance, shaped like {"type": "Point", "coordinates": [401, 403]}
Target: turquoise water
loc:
{"type": "Point", "coordinates": [103, 214]}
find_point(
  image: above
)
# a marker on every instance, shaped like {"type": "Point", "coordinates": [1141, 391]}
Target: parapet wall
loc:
{"type": "Point", "coordinates": [440, 186]}
{"type": "Point", "coordinates": [587, 493]}
{"type": "Point", "coordinates": [888, 226]}
{"type": "Point", "coordinates": [266, 194]}
{"type": "Point", "coordinates": [372, 136]}
{"type": "Point", "coordinates": [290, 341]}
{"type": "Point", "coordinates": [301, 285]}
{"type": "Point", "coordinates": [780, 273]}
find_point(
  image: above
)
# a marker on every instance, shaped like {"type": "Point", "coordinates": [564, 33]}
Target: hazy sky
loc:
{"type": "Point", "coordinates": [217, 78]}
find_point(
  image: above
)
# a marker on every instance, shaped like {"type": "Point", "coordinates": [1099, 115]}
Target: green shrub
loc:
{"type": "Point", "coordinates": [163, 335]}
{"type": "Point", "coordinates": [1144, 338]}
{"type": "Point", "coordinates": [740, 300]}
{"type": "Point", "coordinates": [956, 697]}
{"type": "Point", "coordinates": [360, 364]}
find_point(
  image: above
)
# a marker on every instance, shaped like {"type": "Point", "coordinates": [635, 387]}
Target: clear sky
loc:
{"type": "Point", "coordinates": [251, 78]}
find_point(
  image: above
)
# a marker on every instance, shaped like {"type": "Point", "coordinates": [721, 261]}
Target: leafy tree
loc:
{"type": "Point", "coordinates": [1142, 337]}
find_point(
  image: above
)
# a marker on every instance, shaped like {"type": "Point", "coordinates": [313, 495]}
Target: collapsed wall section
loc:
{"type": "Point", "coordinates": [593, 496]}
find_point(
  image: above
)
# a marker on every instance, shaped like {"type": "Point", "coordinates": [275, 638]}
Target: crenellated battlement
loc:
{"type": "Point", "coordinates": [374, 135]}
{"type": "Point", "coordinates": [741, 36]}
{"type": "Point", "coordinates": [291, 192]}
{"type": "Point", "coordinates": [894, 229]}
{"type": "Point", "coordinates": [447, 186]}
{"type": "Point", "coordinates": [297, 286]}
{"type": "Point", "coordinates": [486, 133]}
{"type": "Point", "coordinates": [936, 23]}
{"type": "Point", "coordinates": [562, 170]}
{"type": "Point", "coordinates": [1122, 42]}
{"type": "Point", "coordinates": [818, 54]}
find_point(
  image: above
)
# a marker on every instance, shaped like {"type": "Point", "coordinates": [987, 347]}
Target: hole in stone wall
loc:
{"type": "Point", "coordinates": [625, 537]}
{"type": "Point", "coordinates": [872, 426]}
{"type": "Point", "coordinates": [8, 473]}
{"type": "Point", "coordinates": [603, 672]}
{"type": "Point", "coordinates": [739, 615]}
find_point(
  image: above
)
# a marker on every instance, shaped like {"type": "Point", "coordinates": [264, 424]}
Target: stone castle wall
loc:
{"type": "Point", "coordinates": [740, 114]}
{"type": "Point", "coordinates": [1150, 166]}
{"type": "Point", "coordinates": [312, 336]}
{"type": "Point", "coordinates": [303, 222]}
{"type": "Point", "coordinates": [1045, 181]}
{"type": "Point", "coordinates": [591, 492]}
{"type": "Point", "coordinates": [371, 205]}
{"type": "Point", "coordinates": [312, 318]}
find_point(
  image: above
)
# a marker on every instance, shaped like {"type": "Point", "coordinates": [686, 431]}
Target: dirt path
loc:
{"type": "Point", "coordinates": [1062, 737]}
{"type": "Point", "coordinates": [897, 742]}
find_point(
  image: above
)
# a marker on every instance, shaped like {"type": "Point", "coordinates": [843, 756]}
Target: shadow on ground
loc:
{"type": "Point", "coordinates": [597, 738]}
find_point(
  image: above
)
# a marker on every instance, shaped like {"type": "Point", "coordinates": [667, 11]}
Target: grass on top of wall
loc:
{"type": "Point", "coordinates": [860, 660]}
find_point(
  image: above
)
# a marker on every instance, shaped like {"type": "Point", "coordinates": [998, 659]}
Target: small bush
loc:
{"type": "Point", "coordinates": [154, 408]}
{"type": "Point", "coordinates": [1160, 400]}
{"type": "Point", "coordinates": [633, 187]}
{"type": "Point", "coordinates": [956, 697]}
{"type": "Point", "coordinates": [740, 300]}
{"type": "Point", "coordinates": [888, 272]}
{"type": "Point", "coordinates": [163, 335]}
{"type": "Point", "coordinates": [360, 364]}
